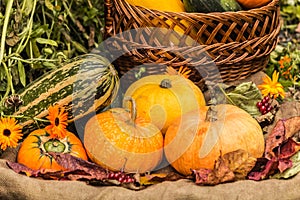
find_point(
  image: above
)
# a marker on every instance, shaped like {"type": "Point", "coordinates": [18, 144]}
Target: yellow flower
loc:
{"type": "Point", "coordinates": [271, 86]}
{"type": "Point", "coordinates": [10, 132]}
{"type": "Point", "coordinates": [58, 119]}
{"type": "Point", "coordinates": [182, 71]}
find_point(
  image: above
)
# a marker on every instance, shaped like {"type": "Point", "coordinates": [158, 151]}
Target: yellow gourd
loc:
{"type": "Point", "coordinates": [169, 6]}
{"type": "Point", "coordinates": [163, 5]}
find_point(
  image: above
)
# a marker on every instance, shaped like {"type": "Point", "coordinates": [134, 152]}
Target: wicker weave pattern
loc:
{"type": "Point", "coordinates": [238, 42]}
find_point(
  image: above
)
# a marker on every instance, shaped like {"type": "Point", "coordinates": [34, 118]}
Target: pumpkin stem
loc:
{"type": "Point", "coordinates": [211, 115]}
{"type": "Point", "coordinates": [165, 83]}
{"type": "Point", "coordinates": [133, 108]}
{"type": "Point", "coordinates": [212, 112]}
{"type": "Point", "coordinates": [54, 146]}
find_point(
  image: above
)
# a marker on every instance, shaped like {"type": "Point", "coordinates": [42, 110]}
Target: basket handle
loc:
{"type": "Point", "coordinates": [109, 20]}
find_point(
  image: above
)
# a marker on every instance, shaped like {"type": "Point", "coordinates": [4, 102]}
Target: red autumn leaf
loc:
{"type": "Point", "coordinates": [275, 138]}
{"type": "Point", "coordinates": [70, 162]}
{"type": "Point", "coordinates": [263, 169]}
{"type": "Point", "coordinates": [287, 149]}
{"type": "Point", "coordinates": [284, 164]}
{"type": "Point", "coordinates": [220, 174]}
{"type": "Point", "coordinates": [43, 173]}
{"type": "Point", "coordinates": [283, 129]}
{"type": "Point", "coordinates": [279, 162]}
{"type": "Point", "coordinates": [76, 169]}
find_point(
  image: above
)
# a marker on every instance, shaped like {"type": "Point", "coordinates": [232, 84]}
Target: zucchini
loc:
{"type": "Point", "coordinates": [83, 85]}
{"type": "Point", "coordinates": [207, 6]}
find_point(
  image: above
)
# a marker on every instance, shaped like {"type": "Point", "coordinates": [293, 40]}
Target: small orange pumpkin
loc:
{"type": "Point", "coordinates": [117, 140]}
{"type": "Point", "coordinates": [200, 137]}
{"type": "Point", "coordinates": [250, 4]}
{"type": "Point", "coordinates": [34, 150]}
{"type": "Point", "coordinates": [163, 98]}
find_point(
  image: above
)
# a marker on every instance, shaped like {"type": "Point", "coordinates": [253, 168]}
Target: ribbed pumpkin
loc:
{"type": "Point", "coordinates": [34, 150]}
{"type": "Point", "coordinates": [200, 137]}
{"type": "Point", "coordinates": [114, 139]}
{"type": "Point", "coordinates": [250, 4]}
{"type": "Point", "coordinates": [163, 98]}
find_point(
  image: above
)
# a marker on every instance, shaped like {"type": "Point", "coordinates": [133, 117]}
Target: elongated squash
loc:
{"type": "Point", "coordinates": [85, 84]}
{"type": "Point", "coordinates": [204, 6]}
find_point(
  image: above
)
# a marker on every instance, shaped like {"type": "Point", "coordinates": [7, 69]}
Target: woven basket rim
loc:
{"type": "Point", "coordinates": [235, 58]}
{"type": "Point", "coordinates": [271, 3]}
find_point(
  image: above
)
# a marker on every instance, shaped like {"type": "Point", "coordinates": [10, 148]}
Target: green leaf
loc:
{"type": "Point", "coordinates": [79, 47]}
{"type": "Point", "coordinates": [40, 30]}
{"type": "Point", "coordinates": [245, 96]}
{"type": "Point", "coordinates": [49, 5]}
{"type": "Point", "coordinates": [46, 41]}
{"type": "Point", "coordinates": [22, 73]}
{"type": "Point", "coordinates": [291, 171]}
{"type": "Point", "coordinates": [28, 7]}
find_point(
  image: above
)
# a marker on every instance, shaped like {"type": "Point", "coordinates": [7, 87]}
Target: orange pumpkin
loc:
{"type": "Point", "coordinates": [116, 140]}
{"type": "Point", "coordinates": [34, 150]}
{"type": "Point", "coordinates": [163, 98]}
{"type": "Point", "coordinates": [200, 137]}
{"type": "Point", "coordinates": [250, 4]}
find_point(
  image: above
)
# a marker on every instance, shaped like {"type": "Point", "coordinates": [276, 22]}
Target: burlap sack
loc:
{"type": "Point", "coordinates": [16, 186]}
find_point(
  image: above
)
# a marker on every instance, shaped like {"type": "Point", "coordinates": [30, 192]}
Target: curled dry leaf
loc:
{"type": "Point", "coordinates": [282, 130]}
{"type": "Point", "coordinates": [150, 179]}
{"type": "Point", "coordinates": [240, 163]}
{"type": "Point", "coordinates": [280, 162]}
{"type": "Point", "coordinates": [76, 169]}
{"type": "Point", "coordinates": [229, 167]}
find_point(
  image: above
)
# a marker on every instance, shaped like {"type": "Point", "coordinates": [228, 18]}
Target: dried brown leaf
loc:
{"type": "Point", "coordinates": [283, 129]}
{"type": "Point", "coordinates": [150, 179]}
{"type": "Point", "coordinates": [292, 126]}
{"type": "Point", "coordinates": [231, 166]}
{"type": "Point", "coordinates": [240, 162]}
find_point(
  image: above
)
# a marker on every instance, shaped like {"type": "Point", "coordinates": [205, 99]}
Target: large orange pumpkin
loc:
{"type": "Point", "coordinates": [250, 4]}
{"type": "Point", "coordinates": [200, 137]}
{"type": "Point", "coordinates": [34, 150]}
{"type": "Point", "coordinates": [115, 140]}
{"type": "Point", "coordinates": [163, 98]}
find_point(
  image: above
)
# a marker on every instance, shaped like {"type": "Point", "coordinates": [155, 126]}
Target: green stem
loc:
{"type": "Point", "coordinates": [30, 61]}
{"type": "Point", "coordinates": [10, 63]}
{"type": "Point", "coordinates": [9, 82]}
{"type": "Point", "coordinates": [2, 46]}
{"type": "Point", "coordinates": [29, 30]}
{"type": "Point", "coordinates": [223, 91]}
{"type": "Point", "coordinates": [4, 30]}
{"type": "Point", "coordinates": [25, 117]}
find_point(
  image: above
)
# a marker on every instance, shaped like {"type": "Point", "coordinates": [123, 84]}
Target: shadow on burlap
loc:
{"type": "Point", "coordinates": [16, 186]}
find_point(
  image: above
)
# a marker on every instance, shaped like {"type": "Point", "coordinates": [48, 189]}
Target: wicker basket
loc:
{"type": "Point", "coordinates": [239, 43]}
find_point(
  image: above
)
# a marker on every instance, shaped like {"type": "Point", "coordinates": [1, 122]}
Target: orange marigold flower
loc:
{"type": "Point", "coordinates": [285, 59]}
{"type": "Point", "coordinates": [58, 119]}
{"type": "Point", "coordinates": [10, 132]}
{"type": "Point", "coordinates": [271, 86]}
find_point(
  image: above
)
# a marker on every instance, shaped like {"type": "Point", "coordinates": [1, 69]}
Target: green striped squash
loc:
{"type": "Point", "coordinates": [83, 85]}
{"type": "Point", "coordinates": [207, 6]}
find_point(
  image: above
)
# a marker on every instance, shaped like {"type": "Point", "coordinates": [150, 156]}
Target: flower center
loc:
{"type": "Point", "coordinates": [56, 121]}
{"type": "Point", "coordinates": [6, 132]}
